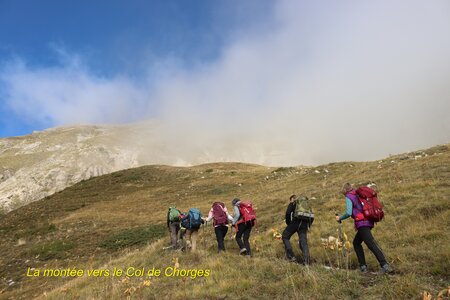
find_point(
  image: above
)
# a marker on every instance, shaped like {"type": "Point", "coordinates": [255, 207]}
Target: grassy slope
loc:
{"type": "Point", "coordinates": [78, 226]}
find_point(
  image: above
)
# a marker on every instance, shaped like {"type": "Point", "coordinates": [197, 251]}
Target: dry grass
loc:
{"type": "Point", "coordinates": [414, 234]}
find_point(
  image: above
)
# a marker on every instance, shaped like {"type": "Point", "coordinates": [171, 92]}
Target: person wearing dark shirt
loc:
{"type": "Point", "coordinates": [295, 226]}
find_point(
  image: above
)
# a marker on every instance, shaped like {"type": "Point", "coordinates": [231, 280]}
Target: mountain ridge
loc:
{"type": "Point", "coordinates": [38, 165]}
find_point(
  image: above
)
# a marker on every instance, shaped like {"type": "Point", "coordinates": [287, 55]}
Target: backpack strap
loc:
{"type": "Point", "coordinates": [221, 207]}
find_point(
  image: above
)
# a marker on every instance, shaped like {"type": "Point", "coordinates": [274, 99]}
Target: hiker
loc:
{"type": "Point", "coordinates": [173, 224]}
{"type": "Point", "coordinates": [219, 214]}
{"type": "Point", "coordinates": [244, 219]}
{"type": "Point", "coordinates": [299, 225]}
{"type": "Point", "coordinates": [363, 227]}
{"type": "Point", "coordinates": [191, 223]}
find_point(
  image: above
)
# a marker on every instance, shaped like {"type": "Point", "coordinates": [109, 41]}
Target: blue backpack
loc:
{"type": "Point", "coordinates": [193, 219]}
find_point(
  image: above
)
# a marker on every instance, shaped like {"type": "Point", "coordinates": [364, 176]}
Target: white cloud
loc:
{"type": "Point", "coordinates": [350, 81]}
{"type": "Point", "coordinates": [70, 94]}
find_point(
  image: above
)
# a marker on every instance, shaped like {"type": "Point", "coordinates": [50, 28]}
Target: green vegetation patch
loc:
{"type": "Point", "coordinates": [284, 169]}
{"type": "Point", "coordinates": [39, 229]}
{"type": "Point", "coordinates": [51, 250]}
{"type": "Point", "coordinates": [218, 191]}
{"type": "Point", "coordinates": [133, 178]}
{"type": "Point", "coordinates": [223, 189]}
{"type": "Point", "coordinates": [74, 207]}
{"type": "Point", "coordinates": [133, 237]}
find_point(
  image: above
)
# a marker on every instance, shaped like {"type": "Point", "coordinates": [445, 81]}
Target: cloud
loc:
{"type": "Point", "coordinates": [325, 82]}
{"type": "Point", "coordinates": [70, 93]}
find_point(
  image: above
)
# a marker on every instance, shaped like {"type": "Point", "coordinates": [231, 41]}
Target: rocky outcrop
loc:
{"type": "Point", "coordinates": [40, 164]}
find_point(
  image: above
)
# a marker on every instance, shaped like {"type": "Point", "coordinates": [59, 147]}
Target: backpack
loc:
{"type": "Point", "coordinates": [195, 218]}
{"type": "Point", "coordinates": [303, 211]}
{"type": "Point", "coordinates": [185, 221]}
{"type": "Point", "coordinates": [174, 214]}
{"type": "Point", "coordinates": [372, 208]}
{"type": "Point", "coordinates": [247, 212]}
{"type": "Point", "coordinates": [219, 214]}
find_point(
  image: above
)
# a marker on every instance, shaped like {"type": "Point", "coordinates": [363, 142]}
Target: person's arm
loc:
{"type": "Point", "coordinates": [210, 216]}
{"type": "Point", "coordinates": [237, 215]}
{"type": "Point", "coordinates": [229, 217]}
{"type": "Point", "coordinates": [288, 216]}
{"type": "Point", "coordinates": [168, 218]}
{"type": "Point", "coordinates": [348, 209]}
{"type": "Point", "coordinates": [182, 217]}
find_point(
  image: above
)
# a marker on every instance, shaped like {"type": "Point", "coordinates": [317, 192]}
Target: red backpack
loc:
{"type": "Point", "coordinates": [372, 208]}
{"type": "Point", "coordinates": [219, 214]}
{"type": "Point", "coordinates": [247, 212]}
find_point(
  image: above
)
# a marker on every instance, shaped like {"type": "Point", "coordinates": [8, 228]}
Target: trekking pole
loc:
{"type": "Point", "coordinates": [341, 237]}
{"type": "Point", "coordinates": [204, 236]}
{"type": "Point", "coordinates": [231, 231]}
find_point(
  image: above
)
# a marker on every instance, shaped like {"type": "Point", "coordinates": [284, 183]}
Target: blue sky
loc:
{"type": "Point", "coordinates": [105, 31]}
{"type": "Point", "coordinates": [234, 72]}
{"type": "Point", "coordinates": [116, 37]}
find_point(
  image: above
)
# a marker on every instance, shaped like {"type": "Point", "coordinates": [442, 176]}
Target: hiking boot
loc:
{"type": "Point", "coordinates": [386, 269]}
{"type": "Point", "coordinates": [243, 251]}
{"type": "Point", "coordinates": [363, 269]}
{"type": "Point", "coordinates": [292, 259]}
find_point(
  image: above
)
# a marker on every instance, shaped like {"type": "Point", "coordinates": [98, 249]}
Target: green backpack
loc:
{"type": "Point", "coordinates": [303, 211]}
{"type": "Point", "coordinates": [174, 214]}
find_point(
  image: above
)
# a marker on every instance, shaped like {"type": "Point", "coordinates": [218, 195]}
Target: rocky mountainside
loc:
{"type": "Point", "coordinates": [40, 164]}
